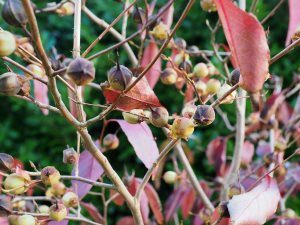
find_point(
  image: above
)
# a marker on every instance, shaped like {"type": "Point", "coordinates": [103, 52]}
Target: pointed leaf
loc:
{"type": "Point", "coordinates": [188, 202]}
{"type": "Point", "coordinates": [142, 140]}
{"type": "Point", "coordinates": [247, 42]}
{"type": "Point", "coordinates": [255, 206]}
{"type": "Point", "coordinates": [128, 220]}
{"type": "Point", "coordinates": [149, 54]}
{"type": "Point", "coordinates": [88, 168]}
{"type": "Point", "coordinates": [141, 96]}
{"type": "Point", "coordinates": [93, 211]}
{"type": "Point", "coordinates": [41, 94]}
{"type": "Point", "coordinates": [173, 202]}
{"type": "Point", "coordinates": [154, 203]}
{"type": "Point", "coordinates": [216, 154]}
{"type": "Point", "coordinates": [248, 152]}
{"type": "Point", "coordinates": [167, 17]}
{"type": "Point", "coordinates": [294, 23]}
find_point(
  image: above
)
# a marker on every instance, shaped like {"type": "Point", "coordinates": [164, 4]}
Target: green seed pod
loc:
{"type": "Point", "coordinates": [14, 14]}
{"type": "Point", "coordinates": [119, 77]}
{"type": "Point", "coordinates": [58, 212]}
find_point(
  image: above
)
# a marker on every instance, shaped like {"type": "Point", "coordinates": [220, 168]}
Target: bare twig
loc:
{"type": "Point", "coordinates": [273, 11]}
{"type": "Point", "coordinates": [285, 51]}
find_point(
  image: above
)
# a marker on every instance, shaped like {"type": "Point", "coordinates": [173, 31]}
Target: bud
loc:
{"type": "Point", "coordinates": [9, 84]}
{"type": "Point", "coordinates": [180, 43]}
{"type": "Point", "coordinates": [16, 183]}
{"type": "Point", "coordinates": [81, 71]}
{"type": "Point", "coordinates": [66, 9]}
{"type": "Point", "coordinates": [208, 5]}
{"type": "Point", "coordinates": [119, 77]}
{"type": "Point", "coordinates": [188, 110]}
{"type": "Point", "coordinates": [111, 141]}
{"type": "Point", "coordinates": [7, 43]}
{"type": "Point", "coordinates": [70, 156]}
{"type": "Point", "coordinates": [204, 115]}
{"type": "Point", "coordinates": [58, 189]}
{"type": "Point", "coordinates": [49, 192]}
{"type": "Point", "coordinates": [13, 13]}
{"type": "Point", "coordinates": [213, 86]}
{"type": "Point", "coordinates": [170, 177]}
{"type": "Point", "coordinates": [201, 87]}
{"type": "Point", "coordinates": [58, 212]}
{"type": "Point", "coordinates": [50, 175]}
{"type": "Point", "coordinates": [132, 117]}
{"type": "Point", "coordinates": [43, 209]}
{"type": "Point", "coordinates": [168, 76]}
{"type": "Point", "coordinates": [201, 70]}
{"type": "Point", "coordinates": [182, 127]}
{"type": "Point", "coordinates": [70, 199]}
{"type": "Point", "coordinates": [235, 76]}
{"type": "Point", "coordinates": [160, 31]}
{"type": "Point", "coordinates": [212, 70]}
{"type": "Point", "coordinates": [26, 45]}
{"type": "Point", "coordinates": [235, 189]}
{"type": "Point", "coordinates": [26, 220]}
{"type": "Point", "coordinates": [230, 98]}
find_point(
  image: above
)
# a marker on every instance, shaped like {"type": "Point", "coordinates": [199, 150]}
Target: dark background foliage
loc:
{"type": "Point", "coordinates": [28, 135]}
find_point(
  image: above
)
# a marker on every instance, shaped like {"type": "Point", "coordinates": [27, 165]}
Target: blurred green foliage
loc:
{"type": "Point", "coordinates": [28, 135]}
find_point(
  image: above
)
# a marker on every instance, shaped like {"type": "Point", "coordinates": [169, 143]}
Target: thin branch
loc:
{"type": "Point", "coordinates": [88, 181]}
{"type": "Point", "coordinates": [273, 11]}
{"type": "Point", "coordinates": [285, 51]}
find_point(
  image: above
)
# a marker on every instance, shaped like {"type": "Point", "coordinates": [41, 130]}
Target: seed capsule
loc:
{"type": "Point", "coordinates": [224, 89]}
{"type": "Point", "coordinates": [205, 115]}
{"type": "Point", "coordinates": [208, 5]}
{"type": "Point", "coordinates": [201, 87]}
{"type": "Point", "coordinates": [50, 175]}
{"type": "Point", "coordinates": [119, 77]}
{"type": "Point", "coordinates": [70, 199]}
{"type": "Point", "coordinates": [168, 76]}
{"type": "Point", "coordinates": [160, 31]}
{"type": "Point", "coordinates": [13, 219]}
{"type": "Point", "coordinates": [70, 156]}
{"type": "Point", "coordinates": [13, 13]}
{"type": "Point", "coordinates": [133, 117]}
{"type": "Point", "coordinates": [111, 141]}
{"type": "Point", "coordinates": [25, 86]}
{"type": "Point", "coordinates": [66, 9]}
{"type": "Point", "coordinates": [7, 43]}
{"type": "Point", "coordinates": [26, 220]}
{"type": "Point", "coordinates": [189, 110]}
{"type": "Point", "coordinates": [235, 76]}
{"type": "Point", "coordinates": [180, 43]}
{"type": "Point", "coordinates": [186, 66]}
{"type": "Point", "coordinates": [58, 189]}
{"type": "Point", "coordinates": [213, 86]}
{"type": "Point", "coordinates": [9, 84]}
{"type": "Point", "coordinates": [58, 212]}
{"type": "Point", "coordinates": [170, 177]}
{"type": "Point", "coordinates": [81, 71]}
{"type": "Point", "coordinates": [16, 184]}
{"type": "Point", "coordinates": [43, 209]}
{"type": "Point", "coordinates": [201, 70]}
{"type": "Point", "coordinates": [139, 15]}
{"type": "Point", "coordinates": [159, 117]}
{"type": "Point", "coordinates": [180, 57]}
{"type": "Point", "coordinates": [182, 127]}
{"type": "Point", "coordinates": [36, 70]}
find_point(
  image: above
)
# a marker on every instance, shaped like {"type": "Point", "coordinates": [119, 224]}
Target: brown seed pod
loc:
{"type": "Point", "coordinates": [70, 156]}
{"type": "Point", "coordinates": [235, 76]}
{"type": "Point", "coordinates": [111, 141]}
{"type": "Point", "coordinates": [168, 76]}
{"type": "Point", "coordinates": [25, 86]}
{"type": "Point", "coordinates": [13, 13]}
{"type": "Point", "coordinates": [139, 15]}
{"type": "Point", "coordinates": [205, 115]}
{"type": "Point", "coordinates": [180, 43]}
{"type": "Point", "coordinates": [186, 66]}
{"type": "Point", "coordinates": [10, 84]}
{"type": "Point", "coordinates": [159, 117]}
{"type": "Point", "coordinates": [119, 77]}
{"type": "Point", "coordinates": [81, 71]}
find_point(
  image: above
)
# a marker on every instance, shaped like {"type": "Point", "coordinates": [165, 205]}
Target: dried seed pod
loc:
{"type": "Point", "coordinates": [70, 156]}
{"type": "Point", "coordinates": [159, 117]}
{"type": "Point", "coordinates": [213, 86]}
{"type": "Point", "coordinates": [58, 212]}
{"type": "Point", "coordinates": [10, 84]}
{"type": "Point", "coordinates": [182, 127]}
{"type": "Point", "coordinates": [193, 50]}
{"type": "Point", "coordinates": [224, 89]}
{"type": "Point", "coordinates": [25, 86]}
{"type": "Point", "coordinates": [66, 9]}
{"type": "Point", "coordinates": [70, 199]}
{"type": "Point", "coordinates": [204, 115]}
{"type": "Point", "coordinates": [235, 76]}
{"type": "Point", "coordinates": [111, 141]}
{"type": "Point", "coordinates": [81, 71]}
{"type": "Point", "coordinates": [170, 177]}
{"type": "Point", "coordinates": [14, 14]}
{"type": "Point", "coordinates": [208, 5]}
{"type": "Point", "coordinates": [168, 76]}
{"type": "Point", "coordinates": [189, 110]}
{"type": "Point", "coordinates": [180, 43]}
{"type": "Point", "coordinates": [186, 66]}
{"type": "Point", "coordinates": [7, 43]}
{"type": "Point", "coordinates": [139, 15]}
{"type": "Point", "coordinates": [119, 77]}
{"type": "Point", "coordinates": [50, 175]}
{"type": "Point", "coordinates": [160, 31]}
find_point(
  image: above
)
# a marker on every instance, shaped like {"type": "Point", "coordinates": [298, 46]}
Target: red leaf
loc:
{"type": "Point", "coordinates": [188, 202]}
{"type": "Point", "coordinates": [174, 201]}
{"type": "Point", "coordinates": [128, 220]}
{"type": "Point", "coordinates": [149, 54]}
{"type": "Point", "coordinates": [4, 221]}
{"type": "Point", "coordinates": [247, 42]}
{"type": "Point", "coordinates": [294, 23]}
{"type": "Point", "coordinates": [154, 203]}
{"type": "Point", "coordinates": [93, 211]}
{"type": "Point", "coordinates": [248, 152]}
{"type": "Point", "coordinates": [271, 106]}
{"type": "Point", "coordinates": [118, 200]}
{"type": "Point", "coordinates": [216, 154]}
{"type": "Point", "coordinates": [88, 168]}
{"type": "Point", "coordinates": [142, 140]}
{"type": "Point", "coordinates": [216, 216]}
{"type": "Point", "coordinates": [255, 206]}
{"type": "Point", "coordinates": [41, 94]}
{"type": "Point", "coordinates": [284, 113]}
{"type": "Point", "coordinates": [167, 17]}
{"type": "Point", "coordinates": [141, 96]}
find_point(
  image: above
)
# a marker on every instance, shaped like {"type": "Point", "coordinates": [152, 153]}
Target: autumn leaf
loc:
{"type": "Point", "coordinates": [248, 44]}
{"type": "Point", "coordinates": [216, 154]}
{"type": "Point", "coordinates": [141, 96]}
{"type": "Point", "coordinates": [294, 23]}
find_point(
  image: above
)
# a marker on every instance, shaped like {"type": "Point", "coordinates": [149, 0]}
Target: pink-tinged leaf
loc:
{"type": "Point", "coordinates": [88, 168]}
{"type": "Point", "coordinates": [93, 211]}
{"type": "Point", "coordinates": [216, 154]}
{"type": "Point", "coordinates": [142, 140]}
{"type": "Point", "coordinates": [145, 207]}
{"type": "Point", "coordinates": [118, 199]}
{"type": "Point", "coordinates": [128, 220]}
{"type": "Point", "coordinates": [255, 206]}
{"type": "Point", "coordinates": [4, 221]}
{"type": "Point", "coordinates": [224, 221]}
{"type": "Point", "coordinates": [154, 203]}
{"type": "Point", "coordinates": [263, 149]}
{"type": "Point", "coordinates": [248, 152]}
{"type": "Point", "coordinates": [284, 113]}
{"type": "Point", "coordinates": [248, 44]}
{"type": "Point", "coordinates": [41, 94]}
{"type": "Point", "coordinates": [188, 202]}
{"type": "Point", "coordinates": [173, 202]}
{"type": "Point", "coordinates": [149, 54]}
{"type": "Point", "coordinates": [294, 23]}
{"type": "Point", "coordinates": [167, 17]}
{"type": "Point", "coordinates": [248, 182]}
{"type": "Point", "coordinates": [141, 96]}
{"type": "Point", "coordinates": [271, 106]}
